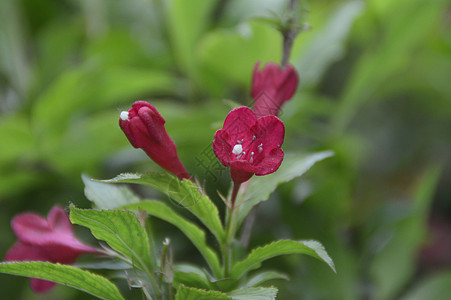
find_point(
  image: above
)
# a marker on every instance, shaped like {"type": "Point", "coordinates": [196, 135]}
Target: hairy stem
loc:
{"type": "Point", "coordinates": [289, 34]}
{"type": "Point", "coordinates": [230, 230]}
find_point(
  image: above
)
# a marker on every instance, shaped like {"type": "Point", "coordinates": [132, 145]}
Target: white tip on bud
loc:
{"type": "Point", "coordinates": [237, 149]}
{"type": "Point", "coordinates": [166, 242]}
{"type": "Point", "coordinates": [124, 116]}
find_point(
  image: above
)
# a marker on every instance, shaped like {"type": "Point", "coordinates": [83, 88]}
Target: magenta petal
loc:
{"type": "Point", "coordinates": [41, 286]}
{"type": "Point", "coordinates": [240, 176]}
{"type": "Point", "coordinates": [249, 145]}
{"type": "Point", "coordinates": [59, 221]}
{"type": "Point", "coordinates": [54, 233]}
{"type": "Point", "coordinates": [144, 128]}
{"type": "Point", "coordinates": [30, 227]}
{"type": "Point", "coordinates": [45, 240]}
{"type": "Point", "coordinates": [270, 163]}
{"type": "Point", "coordinates": [125, 126]}
{"type": "Point", "coordinates": [289, 83]}
{"type": "Point", "coordinates": [143, 104]}
{"type": "Point", "coordinates": [25, 252]}
{"type": "Point", "coordinates": [242, 165]}
{"type": "Point", "coordinates": [256, 81]}
{"type": "Point", "coordinates": [272, 132]}
{"type": "Point", "coordinates": [221, 147]}
{"type": "Point", "coordinates": [153, 124]}
{"type": "Point", "coordinates": [238, 123]}
{"type": "Point", "coordinates": [267, 103]}
{"type": "Point", "coordinates": [272, 87]}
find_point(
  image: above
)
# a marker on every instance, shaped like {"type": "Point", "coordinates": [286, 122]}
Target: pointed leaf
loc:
{"type": "Point", "coordinates": [85, 281]}
{"type": "Point", "coordinates": [106, 264]}
{"type": "Point", "coordinates": [191, 231]}
{"type": "Point", "coordinates": [436, 286]}
{"type": "Point", "coordinates": [185, 193]}
{"type": "Point", "coordinates": [254, 293]}
{"type": "Point", "coordinates": [394, 264]}
{"type": "Point", "coordinates": [121, 230]}
{"type": "Point", "coordinates": [260, 187]}
{"type": "Point", "coordinates": [188, 293]}
{"type": "Point", "coordinates": [186, 21]}
{"type": "Point", "coordinates": [263, 277]}
{"type": "Point", "coordinates": [107, 196]}
{"type": "Point", "coordinates": [190, 275]}
{"type": "Point", "coordinates": [283, 247]}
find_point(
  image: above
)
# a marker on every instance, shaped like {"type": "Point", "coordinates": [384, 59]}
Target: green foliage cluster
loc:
{"type": "Point", "coordinates": [374, 89]}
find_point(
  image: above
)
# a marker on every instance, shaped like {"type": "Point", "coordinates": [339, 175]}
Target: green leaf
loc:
{"type": "Point", "coordinates": [17, 139]}
{"type": "Point", "coordinates": [67, 275]}
{"type": "Point", "coordinates": [383, 62]}
{"type": "Point", "coordinates": [283, 247]}
{"type": "Point", "coordinates": [254, 293]}
{"type": "Point", "coordinates": [121, 230]}
{"type": "Point", "coordinates": [187, 20]}
{"type": "Point", "coordinates": [185, 193]}
{"type": "Point", "coordinates": [394, 265]}
{"type": "Point", "coordinates": [108, 196]}
{"type": "Point", "coordinates": [191, 231]}
{"type": "Point", "coordinates": [262, 277]}
{"type": "Point", "coordinates": [106, 264]}
{"type": "Point", "coordinates": [188, 293]}
{"type": "Point", "coordinates": [437, 287]}
{"type": "Point", "coordinates": [239, 48]}
{"type": "Point", "coordinates": [329, 43]}
{"type": "Point", "coordinates": [189, 275]}
{"type": "Point", "coordinates": [260, 188]}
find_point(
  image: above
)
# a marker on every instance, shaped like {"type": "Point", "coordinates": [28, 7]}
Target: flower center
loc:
{"type": "Point", "coordinates": [124, 116]}
{"type": "Point", "coordinates": [237, 149]}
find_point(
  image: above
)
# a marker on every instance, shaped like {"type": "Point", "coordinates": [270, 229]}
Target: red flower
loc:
{"type": "Point", "coordinates": [249, 145]}
{"type": "Point", "coordinates": [43, 239]}
{"type": "Point", "coordinates": [144, 128]}
{"type": "Point", "coordinates": [272, 87]}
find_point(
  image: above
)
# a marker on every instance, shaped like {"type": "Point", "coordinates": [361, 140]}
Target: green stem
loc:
{"type": "Point", "coordinates": [289, 34]}
{"type": "Point", "coordinates": [236, 188]}
{"type": "Point", "coordinates": [163, 261]}
{"type": "Point", "coordinates": [153, 282]}
{"type": "Point", "coordinates": [171, 296]}
{"type": "Point", "coordinates": [230, 230]}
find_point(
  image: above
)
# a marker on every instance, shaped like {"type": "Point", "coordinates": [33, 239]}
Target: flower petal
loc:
{"type": "Point", "coordinates": [21, 251]}
{"type": "Point", "coordinates": [41, 286]}
{"type": "Point", "coordinates": [241, 171]}
{"type": "Point", "coordinates": [59, 221]}
{"type": "Point", "coordinates": [271, 131]}
{"type": "Point", "coordinates": [238, 124]}
{"type": "Point", "coordinates": [270, 163]}
{"type": "Point", "coordinates": [272, 87]}
{"type": "Point", "coordinates": [30, 228]}
{"type": "Point", "coordinates": [288, 84]}
{"type": "Point", "coordinates": [221, 147]}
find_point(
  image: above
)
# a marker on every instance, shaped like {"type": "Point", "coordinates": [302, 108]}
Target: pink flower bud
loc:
{"type": "Point", "coordinates": [272, 87]}
{"type": "Point", "coordinates": [144, 128]}
{"type": "Point", "coordinates": [249, 145]}
{"type": "Point", "coordinates": [43, 239]}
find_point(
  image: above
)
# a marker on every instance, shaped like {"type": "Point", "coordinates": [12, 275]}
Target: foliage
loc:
{"type": "Point", "coordinates": [374, 89]}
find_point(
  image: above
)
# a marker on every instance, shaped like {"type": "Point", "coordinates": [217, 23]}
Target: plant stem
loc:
{"type": "Point", "coordinates": [230, 230]}
{"type": "Point", "coordinates": [236, 188]}
{"type": "Point", "coordinates": [289, 34]}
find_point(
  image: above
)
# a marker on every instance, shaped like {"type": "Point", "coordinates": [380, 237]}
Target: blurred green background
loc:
{"type": "Point", "coordinates": [375, 88]}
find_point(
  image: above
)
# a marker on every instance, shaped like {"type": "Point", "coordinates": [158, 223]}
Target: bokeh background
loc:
{"type": "Point", "coordinates": [375, 88]}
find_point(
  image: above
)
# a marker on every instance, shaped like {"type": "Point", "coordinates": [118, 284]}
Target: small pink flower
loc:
{"type": "Point", "coordinates": [272, 87]}
{"type": "Point", "coordinates": [144, 128]}
{"type": "Point", "coordinates": [249, 145]}
{"type": "Point", "coordinates": [43, 239]}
